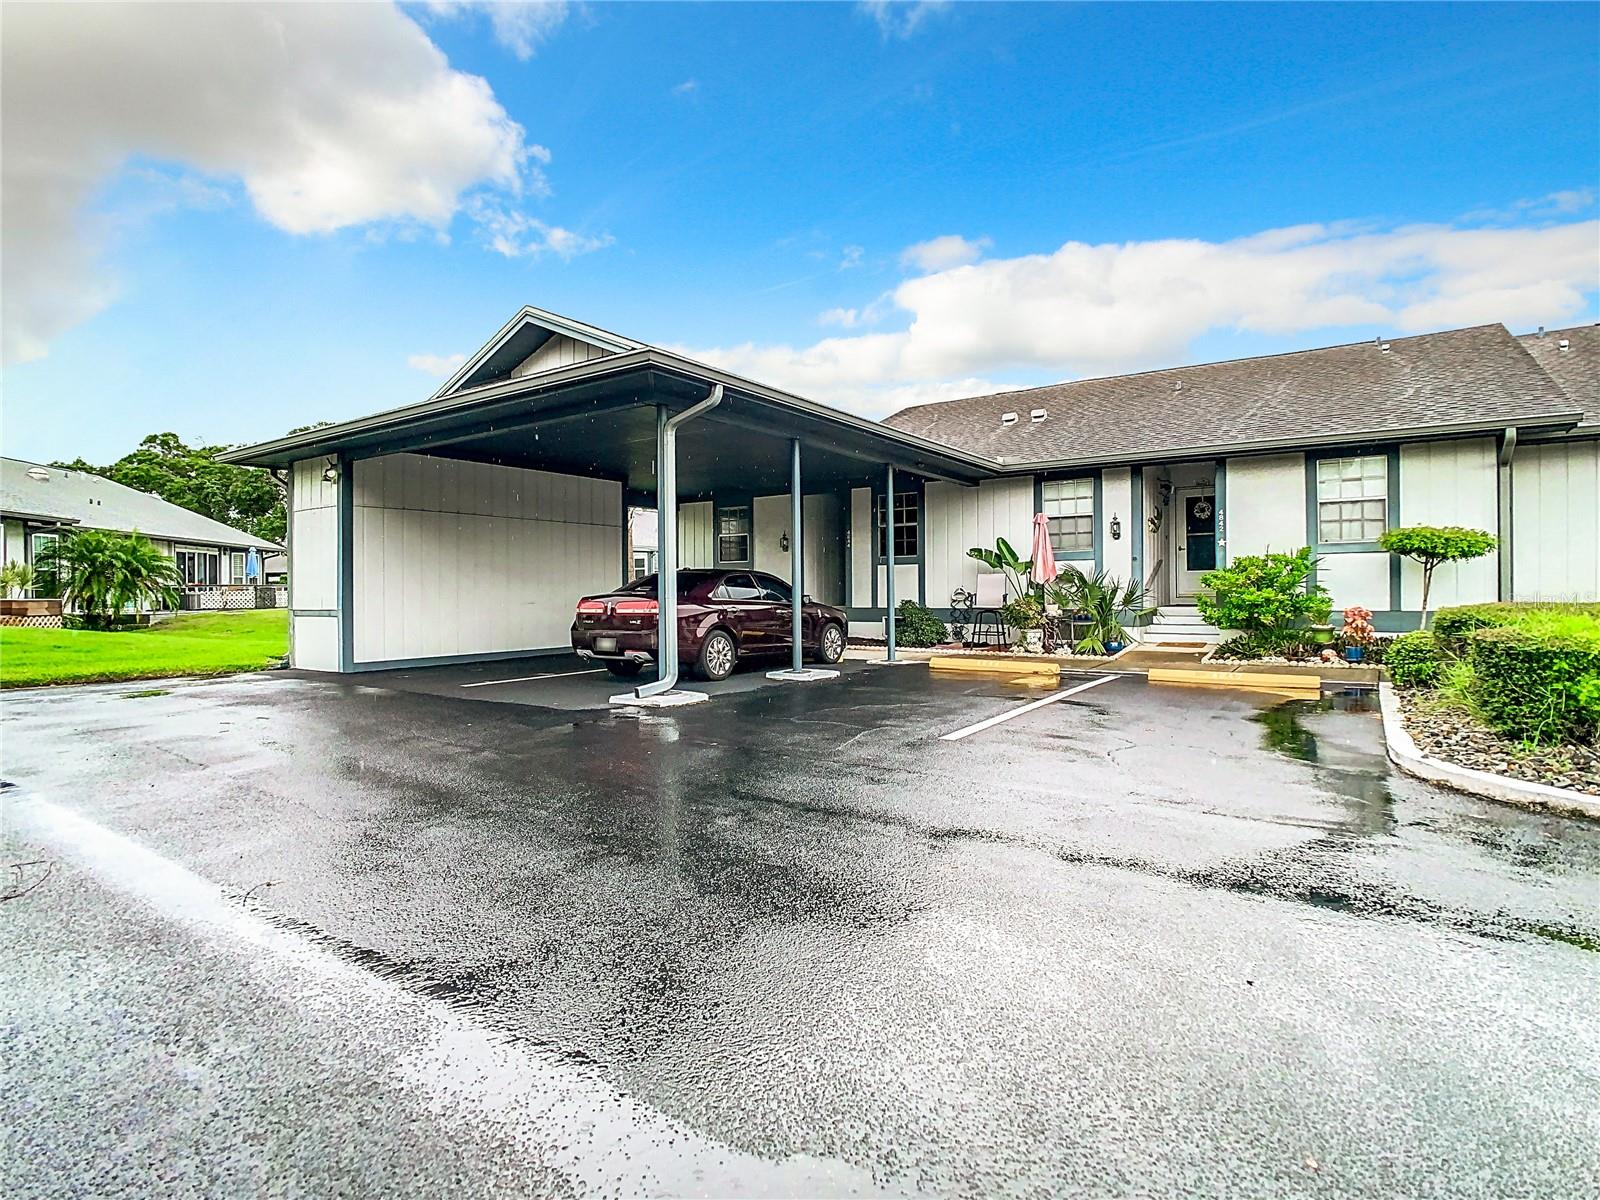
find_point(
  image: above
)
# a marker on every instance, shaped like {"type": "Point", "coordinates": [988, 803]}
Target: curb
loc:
{"type": "Point", "coordinates": [1404, 754]}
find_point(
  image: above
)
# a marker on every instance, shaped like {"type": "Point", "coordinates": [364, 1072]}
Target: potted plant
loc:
{"type": "Point", "coordinates": [1104, 601]}
{"type": "Point", "coordinates": [1358, 632]}
{"type": "Point", "coordinates": [1025, 614]}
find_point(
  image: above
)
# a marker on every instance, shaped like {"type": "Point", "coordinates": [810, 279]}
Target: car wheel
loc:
{"type": "Point", "coordinates": [830, 646]}
{"type": "Point", "coordinates": [717, 655]}
{"type": "Point", "coordinates": [624, 669]}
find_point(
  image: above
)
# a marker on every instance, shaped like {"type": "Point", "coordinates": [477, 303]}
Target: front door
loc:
{"type": "Point", "coordinates": [1194, 536]}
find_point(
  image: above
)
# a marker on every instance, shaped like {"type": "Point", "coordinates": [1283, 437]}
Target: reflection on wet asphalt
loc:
{"type": "Point", "coordinates": [1142, 940]}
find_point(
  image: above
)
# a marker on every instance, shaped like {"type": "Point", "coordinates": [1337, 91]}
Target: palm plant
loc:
{"type": "Point", "coordinates": [101, 573]}
{"type": "Point", "coordinates": [1104, 601]}
{"type": "Point", "coordinates": [16, 579]}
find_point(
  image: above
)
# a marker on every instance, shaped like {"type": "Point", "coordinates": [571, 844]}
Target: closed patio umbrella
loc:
{"type": "Point", "coordinates": [252, 564]}
{"type": "Point", "coordinates": [1044, 558]}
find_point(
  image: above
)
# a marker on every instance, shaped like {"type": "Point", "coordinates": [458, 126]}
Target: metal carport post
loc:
{"type": "Point", "coordinates": [797, 672]}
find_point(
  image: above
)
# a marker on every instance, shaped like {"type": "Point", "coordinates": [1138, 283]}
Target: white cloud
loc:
{"type": "Point", "coordinates": [845, 318]}
{"type": "Point", "coordinates": [515, 234]}
{"type": "Point", "coordinates": [686, 87]}
{"type": "Point", "coordinates": [941, 253]}
{"type": "Point", "coordinates": [329, 116]}
{"type": "Point", "coordinates": [438, 365]}
{"type": "Point", "coordinates": [901, 18]}
{"type": "Point", "coordinates": [1094, 309]}
{"type": "Point", "coordinates": [518, 25]}
{"type": "Point", "coordinates": [851, 257]}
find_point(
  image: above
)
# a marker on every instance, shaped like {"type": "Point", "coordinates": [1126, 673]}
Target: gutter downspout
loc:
{"type": "Point", "coordinates": [667, 539]}
{"type": "Point", "coordinates": [284, 478]}
{"type": "Point", "coordinates": [1508, 450]}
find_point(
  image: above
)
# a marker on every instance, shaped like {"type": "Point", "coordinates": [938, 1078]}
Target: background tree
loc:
{"type": "Point", "coordinates": [1431, 546]}
{"type": "Point", "coordinates": [101, 573]}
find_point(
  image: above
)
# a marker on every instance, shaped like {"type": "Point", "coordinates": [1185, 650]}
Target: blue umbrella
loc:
{"type": "Point", "coordinates": [252, 564]}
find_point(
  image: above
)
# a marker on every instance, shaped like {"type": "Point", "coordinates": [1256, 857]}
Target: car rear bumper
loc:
{"type": "Point", "coordinates": [613, 645]}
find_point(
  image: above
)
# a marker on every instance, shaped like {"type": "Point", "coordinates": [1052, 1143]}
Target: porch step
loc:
{"type": "Point", "coordinates": [1180, 623]}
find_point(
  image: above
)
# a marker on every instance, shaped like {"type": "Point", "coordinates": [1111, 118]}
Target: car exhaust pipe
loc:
{"type": "Point", "coordinates": [667, 541]}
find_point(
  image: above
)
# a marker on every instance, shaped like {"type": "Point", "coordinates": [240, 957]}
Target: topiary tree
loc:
{"type": "Point", "coordinates": [102, 573]}
{"type": "Point", "coordinates": [1267, 596]}
{"type": "Point", "coordinates": [1431, 545]}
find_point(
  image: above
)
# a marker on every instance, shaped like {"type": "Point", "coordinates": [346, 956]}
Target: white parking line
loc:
{"type": "Point", "coordinates": [1026, 708]}
{"type": "Point", "coordinates": [525, 678]}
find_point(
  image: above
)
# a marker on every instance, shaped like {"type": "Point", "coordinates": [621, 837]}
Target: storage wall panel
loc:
{"type": "Point", "coordinates": [314, 562]}
{"type": "Point", "coordinates": [455, 558]}
{"type": "Point", "coordinates": [770, 521]}
{"type": "Point", "coordinates": [1555, 521]}
{"type": "Point", "coordinates": [1450, 483]}
{"type": "Point", "coordinates": [696, 535]}
{"type": "Point", "coordinates": [824, 548]}
{"type": "Point", "coordinates": [316, 643]}
{"type": "Point", "coordinates": [1266, 505]}
{"type": "Point", "coordinates": [1116, 500]}
{"type": "Point", "coordinates": [861, 548]}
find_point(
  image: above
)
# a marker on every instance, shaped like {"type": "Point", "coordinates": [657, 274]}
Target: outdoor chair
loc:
{"type": "Point", "coordinates": [987, 627]}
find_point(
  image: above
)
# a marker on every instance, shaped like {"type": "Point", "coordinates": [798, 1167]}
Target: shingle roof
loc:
{"type": "Point", "coordinates": [1459, 377]}
{"type": "Point", "coordinates": [94, 502]}
{"type": "Point", "coordinates": [1572, 358]}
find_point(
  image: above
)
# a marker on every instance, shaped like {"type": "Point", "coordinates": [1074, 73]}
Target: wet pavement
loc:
{"type": "Point", "coordinates": [399, 935]}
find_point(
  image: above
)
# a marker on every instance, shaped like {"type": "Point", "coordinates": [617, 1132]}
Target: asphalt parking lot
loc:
{"type": "Point", "coordinates": [402, 935]}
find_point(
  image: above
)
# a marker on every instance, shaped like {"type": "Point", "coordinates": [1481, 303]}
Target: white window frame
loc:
{"type": "Point", "coordinates": [907, 524]}
{"type": "Point", "coordinates": [1352, 499]}
{"type": "Point", "coordinates": [1068, 504]}
{"type": "Point", "coordinates": [732, 527]}
{"type": "Point", "coordinates": [198, 552]}
{"type": "Point", "coordinates": [236, 566]}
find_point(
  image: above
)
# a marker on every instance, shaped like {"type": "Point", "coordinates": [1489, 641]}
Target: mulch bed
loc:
{"type": "Point", "coordinates": [1448, 732]}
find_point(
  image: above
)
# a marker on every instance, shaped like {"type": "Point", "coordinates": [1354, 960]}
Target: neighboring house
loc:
{"type": "Point", "coordinates": [642, 539]}
{"type": "Point", "coordinates": [465, 527]}
{"type": "Point", "coordinates": [38, 503]}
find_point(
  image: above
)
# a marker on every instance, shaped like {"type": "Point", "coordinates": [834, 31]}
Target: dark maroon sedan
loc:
{"type": "Point", "coordinates": [723, 616]}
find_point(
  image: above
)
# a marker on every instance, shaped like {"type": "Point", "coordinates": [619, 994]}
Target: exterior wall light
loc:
{"type": "Point", "coordinates": [783, 543]}
{"type": "Point", "coordinates": [1116, 529]}
{"type": "Point", "coordinates": [330, 473]}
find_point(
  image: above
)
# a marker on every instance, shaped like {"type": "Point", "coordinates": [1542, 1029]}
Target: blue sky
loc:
{"type": "Point", "coordinates": [1092, 189]}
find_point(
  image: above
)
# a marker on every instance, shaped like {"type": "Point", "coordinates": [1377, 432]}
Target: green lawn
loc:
{"type": "Point", "coordinates": [189, 644]}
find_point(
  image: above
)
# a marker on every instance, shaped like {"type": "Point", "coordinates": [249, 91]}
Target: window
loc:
{"type": "Point", "coordinates": [199, 568]}
{"type": "Point", "coordinates": [906, 507]}
{"type": "Point", "coordinates": [733, 534]}
{"type": "Point", "coordinates": [641, 565]}
{"type": "Point", "coordinates": [1352, 498]}
{"type": "Point", "coordinates": [1069, 503]}
{"type": "Point", "coordinates": [738, 587]}
{"type": "Point", "coordinates": [775, 590]}
{"type": "Point", "coordinates": [236, 567]}
{"type": "Point", "coordinates": [44, 581]}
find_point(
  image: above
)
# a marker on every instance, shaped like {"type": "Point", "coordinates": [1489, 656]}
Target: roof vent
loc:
{"type": "Point", "coordinates": [39, 473]}
{"type": "Point", "coordinates": [1383, 347]}
{"type": "Point", "coordinates": [1009, 418]}
{"type": "Point", "coordinates": [1037, 415]}
{"type": "Point", "coordinates": [1178, 386]}
{"type": "Point", "coordinates": [1540, 333]}
{"type": "Point", "coordinates": [1564, 344]}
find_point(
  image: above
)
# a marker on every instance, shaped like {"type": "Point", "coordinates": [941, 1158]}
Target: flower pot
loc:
{"type": "Point", "coordinates": [1114, 647]}
{"type": "Point", "coordinates": [1352, 654]}
{"type": "Point", "coordinates": [1033, 640]}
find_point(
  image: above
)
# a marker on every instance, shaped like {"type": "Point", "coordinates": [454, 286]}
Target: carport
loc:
{"type": "Point", "coordinates": [464, 527]}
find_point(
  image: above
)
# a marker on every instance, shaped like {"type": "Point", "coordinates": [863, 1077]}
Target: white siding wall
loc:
{"type": "Point", "coordinates": [1355, 579]}
{"type": "Point", "coordinates": [1116, 500]}
{"type": "Point", "coordinates": [1450, 483]}
{"type": "Point", "coordinates": [770, 517]}
{"type": "Point", "coordinates": [559, 351]}
{"type": "Point", "coordinates": [15, 549]}
{"type": "Point", "coordinates": [1555, 519]}
{"type": "Point", "coordinates": [960, 518]}
{"type": "Point", "coordinates": [1266, 505]}
{"type": "Point", "coordinates": [696, 535]}
{"type": "Point", "coordinates": [314, 571]}
{"type": "Point", "coordinates": [459, 558]}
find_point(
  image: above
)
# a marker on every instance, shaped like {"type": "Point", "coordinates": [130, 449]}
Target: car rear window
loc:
{"type": "Point", "coordinates": [688, 581]}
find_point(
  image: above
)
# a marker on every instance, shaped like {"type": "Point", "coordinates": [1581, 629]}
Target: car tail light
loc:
{"type": "Point", "coordinates": [592, 608]}
{"type": "Point", "coordinates": [636, 608]}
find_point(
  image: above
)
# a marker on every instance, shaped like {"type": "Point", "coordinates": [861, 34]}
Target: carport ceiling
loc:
{"type": "Point", "coordinates": [717, 454]}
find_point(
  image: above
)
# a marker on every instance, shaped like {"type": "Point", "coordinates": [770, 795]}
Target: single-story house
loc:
{"type": "Point", "coordinates": [39, 502]}
{"type": "Point", "coordinates": [465, 527]}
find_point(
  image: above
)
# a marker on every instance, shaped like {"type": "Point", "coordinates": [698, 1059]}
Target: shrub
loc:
{"type": "Point", "coordinates": [1415, 659]}
{"type": "Point", "coordinates": [1539, 680]}
{"type": "Point", "coordinates": [1267, 594]}
{"type": "Point", "coordinates": [103, 573]}
{"type": "Point", "coordinates": [915, 625]}
{"type": "Point", "coordinates": [1454, 624]}
{"type": "Point", "coordinates": [1432, 545]}
{"type": "Point", "coordinates": [1025, 612]}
